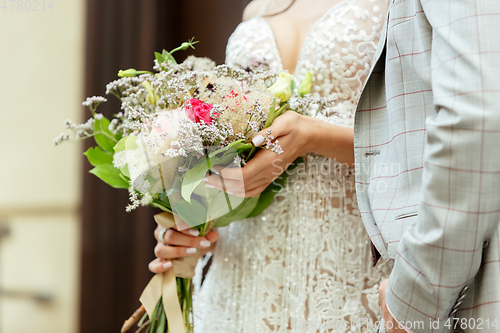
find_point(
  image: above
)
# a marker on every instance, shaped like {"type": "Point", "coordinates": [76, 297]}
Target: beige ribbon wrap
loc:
{"type": "Point", "coordinates": [165, 284]}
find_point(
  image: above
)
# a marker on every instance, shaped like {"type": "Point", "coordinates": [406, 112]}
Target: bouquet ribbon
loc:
{"type": "Point", "coordinates": [164, 285]}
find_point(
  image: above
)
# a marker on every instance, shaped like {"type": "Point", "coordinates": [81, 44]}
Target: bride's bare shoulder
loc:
{"type": "Point", "coordinates": [252, 9]}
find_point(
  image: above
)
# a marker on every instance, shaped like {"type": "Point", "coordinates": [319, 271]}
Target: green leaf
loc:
{"type": "Point", "coordinates": [160, 58]}
{"type": "Point", "coordinates": [193, 213]}
{"type": "Point", "coordinates": [235, 143]}
{"type": "Point", "coordinates": [219, 205]}
{"type": "Point", "coordinates": [193, 178]}
{"type": "Point", "coordinates": [292, 85]}
{"type": "Point", "coordinates": [110, 175]}
{"type": "Point", "coordinates": [267, 196]}
{"type": "Point", "coordinates": [104, 141]}
{"type": "Point", "coordinates": [97, 156]}
{"type": "Point", "coordinates": [126, 143]}
{"type": "Point", "coordinates": [223, 149]}
{"type": "Point", "coordinates": [239, 213]}
{"type": "Point", "coordinates": [284, 107]}
{"type": "Point", "coordinates": [160, 206]}
{"type": "Point", "coordinates": [225, 160]}
{"type": "Point", "coordinates": [168, 57]}
{"type": "Point", "coordinates": [244, 147]}
{"type": "Point", "coordinates": [271, 114]}
{"type": "Point", "coordinates": [123, 176]}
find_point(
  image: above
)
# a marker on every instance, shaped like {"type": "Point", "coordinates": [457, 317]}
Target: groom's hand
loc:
{"type": "Point", "coordinates": [391, 325]}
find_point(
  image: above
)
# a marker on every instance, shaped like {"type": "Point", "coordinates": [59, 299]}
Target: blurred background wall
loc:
{"type": "Point", "coordinates": [41, 56]}
{"type": "Point", "coordinates": [71, 259]}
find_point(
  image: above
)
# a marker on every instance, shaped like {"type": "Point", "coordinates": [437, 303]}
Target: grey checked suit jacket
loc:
{"type": "Point", "coordinates": [427, 139]}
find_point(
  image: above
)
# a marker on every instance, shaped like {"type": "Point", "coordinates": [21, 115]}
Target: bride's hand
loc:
{"type": "Point", "coordinates": [291, 130]}
{"type": "Point", "coordinates": [178, 244]}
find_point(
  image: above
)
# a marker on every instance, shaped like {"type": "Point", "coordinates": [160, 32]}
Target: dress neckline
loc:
{"type": "Point", "coordinates": [304, 44]}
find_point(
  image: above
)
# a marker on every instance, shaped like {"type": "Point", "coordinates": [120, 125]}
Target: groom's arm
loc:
{"type": "Point", "coordinates": [460, 198]}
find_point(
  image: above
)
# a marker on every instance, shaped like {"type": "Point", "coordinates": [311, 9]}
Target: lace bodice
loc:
{"type": "Point", "coordinates": [305, 263]}
{"type": "Point", "coordinates": [338, 50]}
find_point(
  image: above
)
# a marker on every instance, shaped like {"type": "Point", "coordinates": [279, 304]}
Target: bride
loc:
{"type": "Point", "coordinates": [304, 263]}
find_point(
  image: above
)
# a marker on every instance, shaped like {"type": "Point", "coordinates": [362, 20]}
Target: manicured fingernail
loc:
{"type": "Point", "coordinates": [205, 243]}
{"type": "Point", "coordinates": [205, 179]}
{"type": "Point", "coordinates": [167, 265]}
{"type": "Point", "coordinates": [229, 192]}
{"type": "Point", "coordinates": [194, 232]}
{"type": "Point", "coordinates": [209, 185]}
{"type": "Point", "coordinates": [191, 250]}
{"type": "Point", "coordinates": [258, 140]}
{"type": "Point", "coordinates": [214, 171]}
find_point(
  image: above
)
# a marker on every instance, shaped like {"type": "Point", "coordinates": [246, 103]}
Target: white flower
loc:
{"type": "Point", "coordinates": [282, 88]}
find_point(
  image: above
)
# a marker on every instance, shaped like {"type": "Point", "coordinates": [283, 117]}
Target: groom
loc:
{"type": "Point", "coordinates": [427, 146]}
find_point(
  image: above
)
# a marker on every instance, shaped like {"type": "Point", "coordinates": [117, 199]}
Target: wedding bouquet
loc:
{"type": "Point", "coordinates": [174, 126]}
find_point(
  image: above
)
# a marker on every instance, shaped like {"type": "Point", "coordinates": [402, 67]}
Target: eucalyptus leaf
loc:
{"type": "Point", "coordinates": [110, 175]}
{"type": "Point", "coordinates": [97, 156]}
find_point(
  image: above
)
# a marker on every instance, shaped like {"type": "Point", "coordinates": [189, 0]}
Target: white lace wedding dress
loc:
{"type": "Point", "coordinates": [306, 260]}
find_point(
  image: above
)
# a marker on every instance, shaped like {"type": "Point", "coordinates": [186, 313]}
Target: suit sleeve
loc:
{"type": "Point", "coordinates": [460, 197]}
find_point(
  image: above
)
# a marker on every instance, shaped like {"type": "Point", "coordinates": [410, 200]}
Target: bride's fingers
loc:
{"type": "Point", "coordinates": [233, 186]}
{"type": "Point", "coordinates": [185, 229]}
{"type": "Point", "coordinates": [174, 237]}
{"type": "Point", "coordinates": [159, 266]}
{"type": "Point", "coordinates": [167, 252]}
{"type": "Point", "coordinates": [229, 185]}
{"type": "Point", "coordinates": [256, 191]}
{"type": "Point", "coordinates": [246, 172]}
{"type": "Point", "coordinates": [252, 193]}
{"type": "Point", "coordinates": [212, 236]}
{"type": "Point", "coordinates": [280, 127]}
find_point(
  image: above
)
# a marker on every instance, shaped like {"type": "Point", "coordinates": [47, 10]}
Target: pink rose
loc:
{"type": "Point", "coordinates": [199, 111]}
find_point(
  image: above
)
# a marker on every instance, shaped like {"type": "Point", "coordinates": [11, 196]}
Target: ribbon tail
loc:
{"type": "Point", "coordinates": [152, 293]}
{"type": "Point", "coordinates": [171, 303]}
{"type": "Point", "coordinates": [164, 285]}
